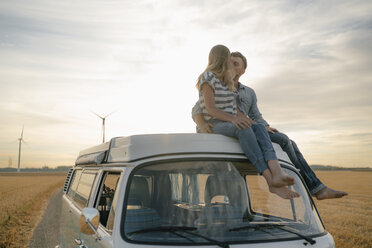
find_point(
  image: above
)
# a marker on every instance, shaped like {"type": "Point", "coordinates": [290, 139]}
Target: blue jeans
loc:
{"type": "Point", "coordinates": [294, 154]}
{"type": "Point", "coordinates": [255, 142]}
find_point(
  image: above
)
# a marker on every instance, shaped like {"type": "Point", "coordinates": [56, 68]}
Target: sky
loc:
{"type": "Point", "coordinates": [308, 61]}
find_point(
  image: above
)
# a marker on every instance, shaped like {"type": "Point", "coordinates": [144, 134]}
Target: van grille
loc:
{"type": "Point", "coordinates": [68, 178]}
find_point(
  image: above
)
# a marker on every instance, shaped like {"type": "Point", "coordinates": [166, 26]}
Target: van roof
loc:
{"type": "Point", "coordinates": [137, 147]}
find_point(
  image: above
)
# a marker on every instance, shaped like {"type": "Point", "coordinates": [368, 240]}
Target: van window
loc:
{"type": "Point", "coordinates": [193, 202]}
{"type": "Point", "coordinates": [107, 200]}
{"type": "Point", "coordinates": [264, 203]}
{"type": "Point", "coordinates": [80, 189]}
{"type": "Point", "coordinates": [74, 183]}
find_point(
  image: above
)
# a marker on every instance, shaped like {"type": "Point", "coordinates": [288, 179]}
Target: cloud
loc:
{"type": "Point", "coordinates": [309, 63]}
{"type": "Point", "coordinates": [34, 118]}
{"type": "Point", "coordinates": [77, 38]}
{"type": "Point", "coordinates": [323, 73]}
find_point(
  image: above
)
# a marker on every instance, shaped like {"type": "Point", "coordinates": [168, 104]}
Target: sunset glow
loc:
{"type": "Point", "coordinates": [309, 63]}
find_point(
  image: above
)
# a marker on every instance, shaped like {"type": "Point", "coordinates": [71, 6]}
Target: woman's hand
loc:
{"type": "Point", "coordinates": [245, 119]}
{"type": "Point", "coordinates": [242, 122]}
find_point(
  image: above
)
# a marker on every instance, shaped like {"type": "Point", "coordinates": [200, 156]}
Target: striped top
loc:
{"type": "Point", "coordinates": [223, 97]}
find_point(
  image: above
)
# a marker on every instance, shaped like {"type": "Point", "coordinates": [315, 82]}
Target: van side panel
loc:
{"type": "Point", "coordinates": [69, 229]}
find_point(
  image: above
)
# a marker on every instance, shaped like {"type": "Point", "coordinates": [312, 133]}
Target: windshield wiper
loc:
{"type": "Point", "coordinates": [164, 229]}
{"type": "Point", "coordinates": [254, 226]}
{"type": "Point", "coordinates": [213, 241]}
{"type": "Point", "coordinates": [171, 229]}
{"type": "Point", "coordinates": [185, 229]}
{"type": "Point", "coordinates": [279, 226]}
{"type": "Point", "coordinates": [308, 239]}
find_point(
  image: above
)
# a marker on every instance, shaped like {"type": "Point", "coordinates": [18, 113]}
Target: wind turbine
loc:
{"type": "Point", "coordinates": [19, 151]}
{"type": "Point", "coordinates": [103, 124]}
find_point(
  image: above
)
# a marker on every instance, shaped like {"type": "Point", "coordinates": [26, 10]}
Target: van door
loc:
{"type": "Point", "coordinates": [105, 201]}
{"type": "Point", "coordinates": [73, 202]}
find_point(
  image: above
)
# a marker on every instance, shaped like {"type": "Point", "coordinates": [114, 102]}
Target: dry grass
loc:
{"type": "Point", "coordinates": [23, 197]}
{"type": "Point", "coordinates": [349, 219]}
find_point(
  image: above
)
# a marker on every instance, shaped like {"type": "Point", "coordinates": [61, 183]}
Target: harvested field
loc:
{"type": "Point", "coordinates": [348, 219]}
{"type": "Point", "coordinates": [23, 198]}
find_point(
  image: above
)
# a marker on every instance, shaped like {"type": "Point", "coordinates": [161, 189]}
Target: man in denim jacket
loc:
{"type": "Point", "coordinates": [247, 104]}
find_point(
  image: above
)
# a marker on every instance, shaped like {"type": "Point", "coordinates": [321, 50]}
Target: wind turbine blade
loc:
{"type": "Point", "coordinates": [97, 114]}
{"type": "Point", "coordinates": [111, 113]}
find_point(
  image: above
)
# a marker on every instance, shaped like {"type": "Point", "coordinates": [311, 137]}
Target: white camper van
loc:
{"type": "Point", "coordinates": [175, 190]}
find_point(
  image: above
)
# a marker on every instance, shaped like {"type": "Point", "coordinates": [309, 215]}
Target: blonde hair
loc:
{"type": "Point", "coordinates": [219, 63]}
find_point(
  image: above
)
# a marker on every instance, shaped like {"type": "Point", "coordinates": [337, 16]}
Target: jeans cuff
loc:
{"type": "Point", "coordinates": [317, 189]}
{"type": "Point", "coordinates": [270, 156]}
{"type": "Point", "coordinates": [261, 165]}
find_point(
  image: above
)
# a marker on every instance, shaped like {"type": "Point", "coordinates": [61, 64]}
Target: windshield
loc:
{"type": "Point", "coordinates": [197, 202]}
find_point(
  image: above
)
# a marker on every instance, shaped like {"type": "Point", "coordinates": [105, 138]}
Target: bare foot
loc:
{"type": "Point", "coordinates": [282, 180]}
{"type": "Point", "coordinates": [328, 193]}
{"type": "Point", "coordinates": [284, 192]}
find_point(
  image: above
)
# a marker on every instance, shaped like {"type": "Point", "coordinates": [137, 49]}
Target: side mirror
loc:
{"type": "Point", "coordinates": [89, 221]}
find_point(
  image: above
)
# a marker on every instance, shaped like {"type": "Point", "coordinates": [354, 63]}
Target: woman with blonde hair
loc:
{"type": "Point", "coordinates": [217, 102]}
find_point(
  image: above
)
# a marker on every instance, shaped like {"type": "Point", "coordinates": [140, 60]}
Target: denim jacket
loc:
{"type": "Point", "coordinates": [247, 103]}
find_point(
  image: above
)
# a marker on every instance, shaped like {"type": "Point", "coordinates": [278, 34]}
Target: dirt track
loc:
{"type": "Point", "coordinates": [46, 233]}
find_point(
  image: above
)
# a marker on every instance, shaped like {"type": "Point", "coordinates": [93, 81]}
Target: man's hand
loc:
{"type": "Point", "coordinates": [206, 127]}
{"type": "Point", "coordinates": [271, 129]}
{"type": "Point", "coordinates": [203, 126]}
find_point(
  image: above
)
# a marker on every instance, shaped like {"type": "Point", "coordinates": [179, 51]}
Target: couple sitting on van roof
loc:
{"type": "Point", "coordinates": [227, 107]}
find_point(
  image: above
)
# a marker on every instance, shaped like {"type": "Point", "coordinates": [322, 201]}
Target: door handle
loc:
{"type": "Point", "coordinates": [80, 244]}
{"type": "Point", "coordinates": [78, 241]}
